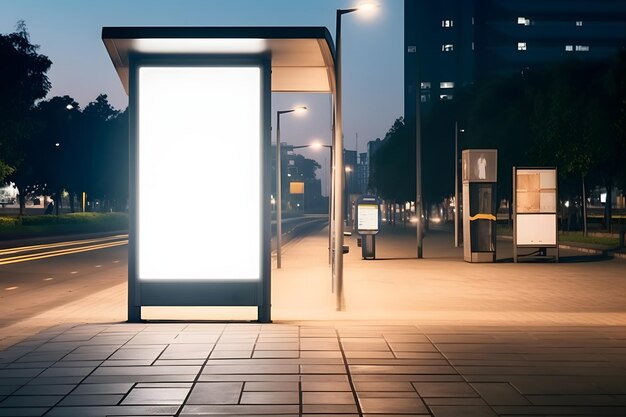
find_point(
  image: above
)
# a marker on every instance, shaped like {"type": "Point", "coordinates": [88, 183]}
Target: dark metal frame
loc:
{"type": "Point", "coordinates": [214, 292]}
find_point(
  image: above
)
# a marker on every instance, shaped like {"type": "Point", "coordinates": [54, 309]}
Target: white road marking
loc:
{"type": "Point", "coordinates": [48, 279]}
{"type": "Point", "coordinates": [11, 288]}
{"type": "Point", "coordinates": [74, 272]}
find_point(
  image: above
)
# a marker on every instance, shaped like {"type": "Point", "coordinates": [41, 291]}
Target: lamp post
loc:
{"type": "Point", "coordinates": [338, 180]}
{"type": "Point", "coordinates": [279, 201]}
{"type": "Point", "coordinates": [347, 179]}
{"type": "Point", "coordinates": [331, 197]}
{"type": "Point", "coordinates": [457, 206]}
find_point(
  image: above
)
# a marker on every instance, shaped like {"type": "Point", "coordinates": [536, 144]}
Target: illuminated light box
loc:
{"type": "Point", "coordinates": [198, 173]}
{"type": "Point", "coordinates": [368, 217]}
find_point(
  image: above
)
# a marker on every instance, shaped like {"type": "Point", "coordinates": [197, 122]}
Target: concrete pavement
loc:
{"type": "Point", "coordinates": [433, 337]}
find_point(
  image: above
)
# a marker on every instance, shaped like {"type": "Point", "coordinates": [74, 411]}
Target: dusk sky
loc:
{"type": "Point", "coordinates": [69, 33]}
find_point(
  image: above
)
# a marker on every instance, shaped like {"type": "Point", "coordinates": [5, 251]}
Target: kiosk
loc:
{"type": "Point", "coordinates": [198, 96]}
{"type": "Point", "coordinates": [368, 216]}
{"type": "Point", "coordinates": [479, 174]}
{"type": "Point", "coordinates": [535, 220]}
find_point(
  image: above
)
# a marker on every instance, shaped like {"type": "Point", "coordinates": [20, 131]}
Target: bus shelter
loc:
{"type": "Point", "coordinates": [199, 120]}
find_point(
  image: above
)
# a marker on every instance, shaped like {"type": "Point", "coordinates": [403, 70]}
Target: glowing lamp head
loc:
{"type": "Point", "coordinates": [69, 107]}
{"type": "Point", "coordinates": [300, 109]}
{"type": "Point", "coordinates": [348, 169]}
{"type": "Point", "coordinates": [367, 7]}
{"type": "Point", "coordinates": [316, 145]}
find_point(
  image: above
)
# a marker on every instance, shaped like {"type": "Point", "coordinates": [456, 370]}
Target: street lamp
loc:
{"type": "Point", "coordinates": [338, 150]}
{"type": "Point", "coordinates": [456, 183]}
{"type": "Point", "coordinates": [279, 201]}
{"type": "Point", "coordinates": [331, 196]}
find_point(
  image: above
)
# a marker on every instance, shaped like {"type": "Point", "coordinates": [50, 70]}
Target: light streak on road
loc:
{"type": "Point", "coordinates": [40, 252]}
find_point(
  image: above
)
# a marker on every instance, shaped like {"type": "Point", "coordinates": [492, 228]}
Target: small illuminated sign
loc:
{"type": "Point", "coordinates": [367, 215]}
{"type": "Point", "coordinates": [480, 165]}
{"type": "Point", "coordinates": [296, 187]}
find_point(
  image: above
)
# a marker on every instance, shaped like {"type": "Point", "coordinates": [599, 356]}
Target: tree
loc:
{"type": "Point", "coordinates": [23, 81]}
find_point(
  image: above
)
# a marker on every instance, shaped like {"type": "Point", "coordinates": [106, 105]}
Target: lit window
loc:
{"type": "Point", "coordinates": [569, 48]}
{"type": "Point", "coordinates": [579, 23]}
{"type": "Point", "coordinates": [446, 96]}
{"type": "Point", "coordinates": [523, 21]}
{"type": "Point", "coordinates": [472, 46]}
{"type": "Point", "coordinates": [447, 23]}
{"type": "Point", "coordinates": [447, 47]}
{"type": "Point", "coordinates": [521, 46]}
{"type": "Point", "coordinates": [425, 85]}
{"type": "Point", "coordinates": [446, 84]}
{"type": "Point", "coordinates": [582, 48]}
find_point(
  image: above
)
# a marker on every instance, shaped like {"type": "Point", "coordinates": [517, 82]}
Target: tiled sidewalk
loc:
{"type": "Point", "coordinates": [322, 370]}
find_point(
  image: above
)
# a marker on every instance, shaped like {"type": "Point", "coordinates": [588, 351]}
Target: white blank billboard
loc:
{"type": "Point", "coordinates": [199, 173]}
{"type": "Point", "coordinates": [536, 229]}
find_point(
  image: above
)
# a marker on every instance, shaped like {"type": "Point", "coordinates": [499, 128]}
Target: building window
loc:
{"type": "Point", "coordinates": [447, 23]}
{"type": "Point", "coordinates": [579, 23]}
{"type": "Point", "coordinates": [521, 46]}
{"type": "Point", "coordinates": [447, 47]}
{"type": "Point", "coordinates": [425, 85]}
{"type": "Point", "coordinates": [411, 49]}
{"type": "Point", "coordinates": [444, 97]}
{"type": "Point", "coordinates": [446, 84]}
{"type": "Point", "coordinates": [569, 48]}
{"type": "Point", "coordinates": [582, 48]}
{"type": "Point", "coordinates": [472, 46]}
{"type": "Point", "coordinates": [424, 98]}
{"type": "Point", "coordinates": [523, 21]}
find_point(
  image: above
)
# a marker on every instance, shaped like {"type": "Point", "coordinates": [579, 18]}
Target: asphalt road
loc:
{"type": "Point", "coordinates": [36, 278]}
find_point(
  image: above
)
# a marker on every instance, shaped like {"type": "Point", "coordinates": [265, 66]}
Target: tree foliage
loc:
{"type": "Point", "coordinates": [23, 81]}
{"type": "Point", "coordinates": [571, 115]}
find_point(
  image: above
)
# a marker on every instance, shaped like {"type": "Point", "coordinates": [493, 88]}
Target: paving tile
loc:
{"type": "Point", "coordinates": [367, 344]}
{"type": "Point", "coordinates": [387, 394]}
{"type": "Point", "coordinates": [327, 398]}
{"type": "Point", "coordinates": [499, 394]}
{"type": "Point", "coordinates": [444, 389]}
{"type": "Point", "coordinates": [23, 412]}
{"type": "Point", "coordinates": [231, 354]}
{"type": "Point", "coordinates": [215, 393]}
{"type": "Point", "coordinates": [87, 389]}
{"type": "Point", "coordinates": [412, 347]}
{"type": "Point", "coordinates": [271, 386]}
{"type": "Point", "coordinates": [462, 411]}
{"type": "Point", "coordinates": [322, 369]}
{"type": "Point", "coordinates": [276, 354]}
{"type": "Point", "coordinates": [329, 409]}
{"type": "Point", "coordinates": [241, 410]}
{"type": "Point", "coordinates": [383, 386]}
{"type": "Point", "coordinates": [382, 369]}
{"type": "Point", "coordinates": [274, 397]}
{"type": "Point", "coordinates": [246, 369]}
{"type": "Point", "coordinates": [110, 411]}
{"type": "Point", "coordinates": [147, 370]}
{"type": "Point", "coordinates": [597, 400]}
{"type": "Point", "coordinates": [392, 406]}
{"type": "Point", "coordinates": [454, 401]}
{"type": "Point", "coordinates": [249, 377]}
{"type": "Point", "coordinates": [59, 389]}
{"type": "Point", "coordinates": [158, 396]}
{"type": "Point", "coordinates": [30, 401]}
{"type": "Point", "coordinates": [321, 354]}
{"type": "Point", "coordinates": [319, 343]}
{"type": "Point", "coordinates": [326, 386]}
{"type": "Point", "coordinates": [91, 400]}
